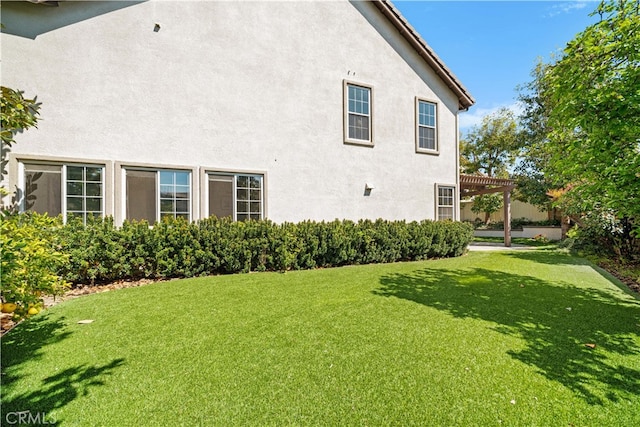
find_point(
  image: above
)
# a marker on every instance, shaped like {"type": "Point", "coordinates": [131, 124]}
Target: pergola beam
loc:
{"type": "Point", "coordinates": [489, 190]}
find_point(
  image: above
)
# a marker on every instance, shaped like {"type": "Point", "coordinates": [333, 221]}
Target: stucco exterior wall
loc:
{"type": "Point", "coordinates": [239, 86]}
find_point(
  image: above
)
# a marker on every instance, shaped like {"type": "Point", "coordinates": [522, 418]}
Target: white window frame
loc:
{"type": "Point", "coordinates": [63, 183]}
{"type": "Point", "coordinates": [347, 139]}
{"type": "Point", "coordinates": [158, 197]}
{"type": "Point", "coordinates": [419, 149]}
{"type": "Point", "coordinates": [234, 192]}
{"type": "Point", "coordinates": [452, 187]}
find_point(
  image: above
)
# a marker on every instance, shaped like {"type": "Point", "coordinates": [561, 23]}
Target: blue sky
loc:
{"type": "Point", "coordinates": [492, 46]}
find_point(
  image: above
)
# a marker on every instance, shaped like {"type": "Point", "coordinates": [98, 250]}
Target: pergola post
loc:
{"type": "Point", "coordinates": [507, 217]}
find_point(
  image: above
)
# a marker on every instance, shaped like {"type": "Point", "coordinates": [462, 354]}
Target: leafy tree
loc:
{"type": "Point", "coordinates": [29, 255]}
{"type": "Point", "coordinates": [487, 203]}
{"type": "Point", "coordinates": [591, 101]}
{"type": "Point", "coordinates": [533, 185]}
{"type": "Point", "coordinates": [17, 114]}
{"type": "Point", "coordinates": [490, 149]}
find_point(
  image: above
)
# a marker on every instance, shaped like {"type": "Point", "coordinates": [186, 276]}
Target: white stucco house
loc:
{"type": "Point", "coordinates": [282, 110]}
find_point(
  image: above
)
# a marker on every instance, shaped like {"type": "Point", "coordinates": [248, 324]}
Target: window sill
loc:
{"type": "Point", "coordinates": [430, 152]}
{"type": "Point", "coordinates": [359, 142]}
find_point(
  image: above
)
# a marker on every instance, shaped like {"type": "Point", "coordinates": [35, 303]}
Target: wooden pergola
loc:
{"type": "Point", "coordinates": [474, 185]}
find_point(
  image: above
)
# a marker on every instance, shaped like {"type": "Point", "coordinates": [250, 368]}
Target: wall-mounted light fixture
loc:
{"type": "Point", "coordinates": [367, 188]}
{"type": "Point", "coordinates": [156, 28]}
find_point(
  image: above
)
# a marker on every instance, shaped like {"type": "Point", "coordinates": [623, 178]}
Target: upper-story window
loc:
{"type": "Point", "coordinates": [67, 189]}
{"type": "Point", "coordinates": [358, 111]}
{"type": "Point", "coordinates": [426, 126]}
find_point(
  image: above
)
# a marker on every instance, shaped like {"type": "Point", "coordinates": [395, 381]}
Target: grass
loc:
{"type": "Point", "coordinates": [490, 338]}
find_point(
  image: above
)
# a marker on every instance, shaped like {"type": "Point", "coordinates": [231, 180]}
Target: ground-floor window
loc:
{"type": "Point", "coordinates": [445, 203]}
{"type": "Point", "coordinates": [154, 194]}
{"type": "Point", "coordinates": [239, 196]}
{"type": "Point", "coordinates": [67, 189]}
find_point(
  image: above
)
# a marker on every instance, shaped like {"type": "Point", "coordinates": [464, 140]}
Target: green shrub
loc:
{"type": "Point", "coordinates": [100, 252]}
{"type": "Point", "coordinates": [31, 258]}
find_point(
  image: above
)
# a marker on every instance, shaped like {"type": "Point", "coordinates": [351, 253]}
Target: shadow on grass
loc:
{"type": "Point", "coordinates": [555, 320]}
{"type": "Point", "coordinates": [26, 344]}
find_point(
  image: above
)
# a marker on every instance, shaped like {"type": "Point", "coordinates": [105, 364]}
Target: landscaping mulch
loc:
{"type": "Point", "coordinates": [622, 273]}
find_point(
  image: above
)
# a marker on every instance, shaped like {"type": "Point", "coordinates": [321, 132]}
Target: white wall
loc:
{"type": "Point", "coordinates": [233, 85]}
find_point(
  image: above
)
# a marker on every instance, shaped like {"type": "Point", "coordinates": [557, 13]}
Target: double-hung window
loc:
{"type": "Point", "coordinates": [67, 189]}
{"type": "Point", "coordinates": [238, 196]}
{"type": "Point", "coordinates": [154, 194]}
{"type": "Point", "coordinates": [426, 127]}
{"type": "Point", "coordinates": [445, 202]}
{"type": "Point", "coordinates": [358, 112]}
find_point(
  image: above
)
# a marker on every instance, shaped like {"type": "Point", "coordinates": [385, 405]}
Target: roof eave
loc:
{"type": "Point", "coordinates": [465, 100]}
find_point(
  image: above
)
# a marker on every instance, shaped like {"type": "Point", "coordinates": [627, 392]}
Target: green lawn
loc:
{"type": "Point", "coordinates": [490, 338]}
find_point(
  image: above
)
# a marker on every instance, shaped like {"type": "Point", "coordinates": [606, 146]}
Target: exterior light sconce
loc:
{"type": "Point", "coordinates": [156, 28]}
{"type": "Point", "coordinates": [367, 188]}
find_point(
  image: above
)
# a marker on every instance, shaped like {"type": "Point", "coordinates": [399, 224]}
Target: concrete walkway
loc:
{"type": "Point", "coordinates": [490, 246]}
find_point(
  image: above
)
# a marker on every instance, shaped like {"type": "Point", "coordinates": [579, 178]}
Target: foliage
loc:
{"type": "Point", "coordinates": [602, 233]}
{"type": "Point", "coordinates": [100, 252]}
{"type": "Point", "coordinates": [30, 258]}
{"type": "Point", "coordinates": [17, 114]}
{"type": "Point", "coordinates": [491, 148]}
{"type": "Point", "coordinates": [531, 180]}
{"type": "Point", "coordinates": [590, 100]}
{"type": "Point", "coordinates": [487, 203]}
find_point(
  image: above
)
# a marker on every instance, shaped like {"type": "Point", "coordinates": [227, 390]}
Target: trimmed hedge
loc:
{"type": "Point", "coordinates": [101, 252]}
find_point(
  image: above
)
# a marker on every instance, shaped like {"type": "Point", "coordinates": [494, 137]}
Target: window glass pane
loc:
{"type": "Point", "coordinates": [254, 195]}
{"type": "Point", "coordinates": [243, 217]}
{"type": "Point", "coordinates": [94, 174]}
{"type": "Point", "coordinates": [182, 178]}
{"type": "Point", "coordinates": [427, 138]}
{"type": "Point", "coordinates": [93, 204]}
{"type": "Point", "coordinates": [166, 191]}
{"type": "Point", "coordinates": [166, 206]}
{"type": "Point", "coordinates": [74, 173]}
{"type": "Point", "coordinates": [243, 181]}
{"type": "Point", "coordinates": [242, 207]}
{"type": "Point", "coordinates": [427, 114]}
{"type": "Point", "coordinates": [94, 190]}
{"type": "Point", "coordinates": [242, 194]}
{"type": "Point", "coordinates": [255, 207]}
{"type": "Point", "coordinates": [182, 206]}
{"type": "Point", "coordinates": [256, 181]}
{"type": "Point", "coordinates": [141, 195]}
{"type": "Point", "coordinates": [167, 178]}
{"type": "Point", "coordinates": [74, 204]}
{"type": "Point", "coordinates": [359, 127]}
{"type": "Point", "coordinates": [75, 188]}
{"type": "Point", "coordinates": [182, 192]}
{"type": "Point", "coordinates": [43, 189]}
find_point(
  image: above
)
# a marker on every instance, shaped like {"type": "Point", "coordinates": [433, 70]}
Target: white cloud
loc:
{"type": "Point", "coordinates": [474, 116]}
{"type": "Point", "coordinates": [566, 7]}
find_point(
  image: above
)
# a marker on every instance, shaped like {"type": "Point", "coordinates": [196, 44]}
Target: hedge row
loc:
{"type": "Point", "coordinates": [100, 251]}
